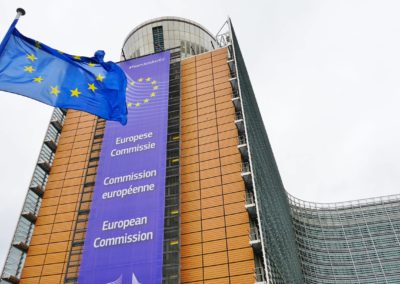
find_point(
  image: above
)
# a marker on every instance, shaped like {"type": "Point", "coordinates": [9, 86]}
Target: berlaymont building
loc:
{"type": "Point", "coordinates": [216, 209]}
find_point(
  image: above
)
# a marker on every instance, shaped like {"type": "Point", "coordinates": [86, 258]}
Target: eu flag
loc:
{"type": "Point", "coordinates": [32, 69]}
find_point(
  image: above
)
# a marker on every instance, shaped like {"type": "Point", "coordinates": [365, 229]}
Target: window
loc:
{"type": "Point", "coordinates": [158, 39]}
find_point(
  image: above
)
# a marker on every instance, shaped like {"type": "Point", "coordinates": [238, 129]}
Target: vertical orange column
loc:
{"type": "Point", "coordinates": [49, 248]}
{"type": "Point", "coordinates": [214, 223]}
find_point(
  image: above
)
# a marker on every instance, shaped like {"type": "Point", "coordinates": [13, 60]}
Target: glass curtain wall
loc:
{"type": "Point", "coordinates": [349, 242]}
{"type": "Point", "coordinates": [174, 32]}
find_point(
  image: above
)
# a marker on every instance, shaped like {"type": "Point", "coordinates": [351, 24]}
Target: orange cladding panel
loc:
{"type": "Point", "coordinates": [51, 241]}
{"type": "Point", "coordinates": [214, 223]}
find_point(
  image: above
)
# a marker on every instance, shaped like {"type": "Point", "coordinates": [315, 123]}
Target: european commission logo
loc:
{"type": "Point", "coordinates": [144, 91]}
{"type": "Point", "coordinates": [119, 280]}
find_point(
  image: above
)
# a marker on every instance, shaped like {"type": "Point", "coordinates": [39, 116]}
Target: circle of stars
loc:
{"type": "Point", "coordinates": [143, 81]}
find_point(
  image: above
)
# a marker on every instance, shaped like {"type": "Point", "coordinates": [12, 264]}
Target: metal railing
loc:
{"type": "Point", "coordinates": [254, 234]}
{"type": "Point", "coordinates": [246, 167]}
{"type": "Point", "coordinates": [238, 115]}
{"type": "Point", "coordinates": [242, 140]}
{"type": "Point", "coordinates": [249, 197]}
{"type": "Point", "coordinates": [259, 274]}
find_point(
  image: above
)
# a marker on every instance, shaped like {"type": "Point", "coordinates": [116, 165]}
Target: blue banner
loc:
{"type": "Point", "coordinates": [124, 238]}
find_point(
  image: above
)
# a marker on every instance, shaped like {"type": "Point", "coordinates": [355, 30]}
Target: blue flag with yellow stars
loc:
{"type": "Point", "coordinates": [32, 69]}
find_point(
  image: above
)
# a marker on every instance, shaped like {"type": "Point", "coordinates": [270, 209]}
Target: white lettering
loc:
{"type": "Point", "coordinates": [128, 191]}
{"type": "Point", "coordinates": [131, 177]}
{"type": "Point", "coordinates": [123, 224]}
{"type": "Point", "coordinates": [134, 138]}
{"type": "Point", "coordinates": [133, 149]}
{"type": "Point", "coordinates": [124, 239]}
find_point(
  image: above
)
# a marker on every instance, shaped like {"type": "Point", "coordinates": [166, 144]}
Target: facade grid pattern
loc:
{"type": "Point", "coordinates": [349, 242]}
{"type": "Point", "coordinates": [214, 222]}
{"type": "Point", "coordinates": [281, 260]}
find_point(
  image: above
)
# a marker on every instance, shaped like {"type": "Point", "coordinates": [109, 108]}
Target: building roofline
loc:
{"type": "Point", "coordinates": [295, 201]}
{"type": "Point", "coordinates": [168, 18]}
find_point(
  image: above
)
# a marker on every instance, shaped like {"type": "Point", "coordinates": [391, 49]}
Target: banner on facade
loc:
{"type": "Point", "coordinates": [124, 239]}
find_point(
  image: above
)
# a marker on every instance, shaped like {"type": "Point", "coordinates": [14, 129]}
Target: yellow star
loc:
{"type": "Point", "coordinates": [132, 83]}
{"type": "Point", "coordinates": [100, 78]}
{"type": "Point", "coordinates": [146, 100]}
{"type": "Point", "coordinates": [129, 104]}
{"type": "Point", "coordinates": [91, 64]}
{"type": "Point", "coordinates": [54, 90]}
{"type": "Point", "coordinates": [153, 94]}
{"type": "Point", "coordinates": [77, 57]}
{"type": "Point", "coordinates": [29, 69]}
{"type": "Point", "coordinates": [37, 44]}
{"type": "Point", "coordinates": [75, 93]}
{"type": "Point", "coordinates": [38, 79]}
{"type": "Point", "coordinates": [137, 104]}
{"type": "Point", "coordinates": [154, 82]}
{"type": "Point", "coordinates": [148, 79]}
{"type": "Point", "coordinates": [140, 80]}
{"type": "Point", "coordinates": [31, 57]}
{"type": "Point", "coordinates": [155, 88]}
{"type": "Point", "coordinates": [92, 87]}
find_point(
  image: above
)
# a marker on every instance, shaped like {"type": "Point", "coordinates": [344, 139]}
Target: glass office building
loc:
{"type": "Point", "coordinates": [348, 242]}
{"type": "Point", "coordinates": [228, 217]}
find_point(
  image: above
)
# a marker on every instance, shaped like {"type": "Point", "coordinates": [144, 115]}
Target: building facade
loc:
{"type": "Point", "coordinates": [168, 32]}
{"type": "Point", "coordinates": [348, 242]}
{"type": "Point", "coordinates": [227, 216]}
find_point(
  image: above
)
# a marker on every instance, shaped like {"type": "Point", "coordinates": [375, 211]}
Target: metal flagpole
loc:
{"type": "Point", "coordinates": [20, 12]}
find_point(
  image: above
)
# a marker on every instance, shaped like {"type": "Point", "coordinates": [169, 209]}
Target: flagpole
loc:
{"type": "Point", "coordinates": [20, 12]}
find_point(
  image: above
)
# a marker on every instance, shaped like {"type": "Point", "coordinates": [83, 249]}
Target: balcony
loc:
{"type": "Point", "coordinates": [45, 166]}
{"type": "Point", "coordinates": [239, 122]}
{"type": "Point", "coordinates": [246, 174]}
{"type": "Point", "coordinates": [242, 146]}
{"type": "Point", "coordinates": [234, 82]}
{"type": "Point", "coordinates": [259, 275]}
{"type": "Point", "coordinates": [51, 144]}
{"type": "Point", "coordinates": [235, 94]}
{"type": "Point", "coordinates": [22, 246]}
{"type": "Point", "coordinates": [230, 52]}
{"type": "Point", "coordinates": [10, 278]}
{"type": "Point", "coordinates": [255, 240]}
{"type": "Point", "coordinates": [251, 204]}
{"type": "Point", "coordinates": [232, 67]}
{"type": "Point", "coordinates": [57, 125]}
{"type": "Point", "coordinates": [236, 103]}
{"type": "Point", "coordinates": [38, 189]}
{"type": "Point", "coordinates": [29, 216]}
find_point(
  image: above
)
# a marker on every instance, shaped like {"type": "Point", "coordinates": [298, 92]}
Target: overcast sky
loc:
{"type": "Point", "coordinates": [325, 73]}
